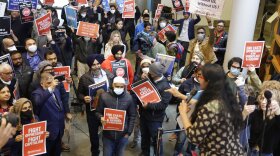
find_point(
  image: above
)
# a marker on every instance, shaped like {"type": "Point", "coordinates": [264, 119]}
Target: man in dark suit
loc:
{"type": "Point", "coordinates": [48, 106]}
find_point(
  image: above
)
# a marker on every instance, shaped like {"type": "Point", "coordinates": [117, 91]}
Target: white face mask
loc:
{"type": "Point", "coordinates": [162, 24]}
{"type": "Point", "coordinates": [200, 37]}
{"type": "Point", "coordinates": [39, 7]}
{"type": "Point", "coordinates": [119, 91]}
{"type": "Point", "coordinates": [13, 48]}
{"type": "Point", "coordinates": [112, 11]}
{"type": "Point", "coordinates": [32, 48]}
{"type": "Point", "coordinates": [83, 14]}
{"type": "Point", "coordinates": [87, 38]}
{"type": "Point", "coordinates": [145, 70]}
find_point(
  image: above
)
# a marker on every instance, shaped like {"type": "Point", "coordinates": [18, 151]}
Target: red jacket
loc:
{"type": "Point", "coordinates": [107, 65]}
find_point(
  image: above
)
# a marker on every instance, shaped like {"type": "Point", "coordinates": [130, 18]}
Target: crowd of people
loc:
{"type": "Point", "coordinates": [219, 120]}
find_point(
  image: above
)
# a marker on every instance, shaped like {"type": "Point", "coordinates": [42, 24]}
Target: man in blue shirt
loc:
{"type": "Point", "coordinates": [140, 27]}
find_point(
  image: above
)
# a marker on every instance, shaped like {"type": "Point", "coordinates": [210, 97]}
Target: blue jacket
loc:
{"type": "Point", "coordinates": [191, 25]}
{"type": "Point", "coordinates": [46, 109]}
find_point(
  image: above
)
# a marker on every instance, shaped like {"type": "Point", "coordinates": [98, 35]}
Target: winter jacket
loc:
{"type": "Point", "coordinates": [24, 74]}
{"type": "Point", "coordinates": [122, 102]}
{"type": "Point", "coordinates": [156, 111]}
{"type": "Point", "coordinates": [85, 81]}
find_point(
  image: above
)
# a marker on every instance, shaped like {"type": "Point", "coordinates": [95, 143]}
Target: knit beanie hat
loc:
{"type": "Point", "coordinates": [200, 55]}
{"type": "Point", "coordinates": [145, 61]}
{"type": "Point", "coordinates": [117, 48]}
{"type": "Point", "coordinates": [156, 69]}
{"type": "Point", "coordinates": [42, 65]}
{"type": "Point", "coordinates": [91, 58]}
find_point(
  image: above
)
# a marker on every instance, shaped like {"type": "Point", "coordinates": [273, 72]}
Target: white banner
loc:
{"type": "Point", "coordinates": [213, 7]}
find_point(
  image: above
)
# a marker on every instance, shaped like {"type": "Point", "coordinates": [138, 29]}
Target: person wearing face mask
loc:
{"type": "Point", "coordinates": [47, 103]}
{"type": "Point", "coordinates": [109, 21]}
{"type": "Point", "coordinates": [117, 98]}
{"type": "Point", "coordinates": [82, 16]}
{"type": "Point", "coordinates": [117, 53]}
{"type": "Point", "coordinates": [186, 28]}
{"type": "Point", "coordinates": [220, 41]}
{"type": "Point", "coordinates": [96, 74]}
{"type": "Point", "coordinates": [152, 114]}
{"type": "Point", "coordinates": [141, 74]}
{"type": "Point", "coordinates": [8, 45]}
{"type": "Point", "coordinates": [203, 44]}
{"type": "Point", "coordinates": [23, 108]}
{"type": "Point", "coordinates": [162, 23]}
{"type": "Point", "coordinates": [34, 55]}
{"type": "Point", "coordinates": [187, 71]}
{"type": "Point", "coordinates": [7, 78]}
{"type": "Point", "coordinates": [23, 73]}
{"type": "Point", "coordinates": [84, 46]}
{"type": "Point", "coordinates": [236, 80]}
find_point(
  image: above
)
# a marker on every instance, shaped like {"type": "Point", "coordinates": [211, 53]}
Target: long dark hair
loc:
{"type": "Point", "coordinates": [218, 89]}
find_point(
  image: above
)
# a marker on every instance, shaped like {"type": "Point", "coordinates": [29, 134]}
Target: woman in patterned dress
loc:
{"type": "Point", "coordinates": [216, 121]}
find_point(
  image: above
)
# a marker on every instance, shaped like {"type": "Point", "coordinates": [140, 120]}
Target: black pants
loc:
{"type": "Point", "coordinates": [54, 146]}
{"type": "Point", "coordinates": [93, 124]}
{"type": "Point", "coordinates": [130, 29]}
{"type": "Point", "coordinates": [184, 56]}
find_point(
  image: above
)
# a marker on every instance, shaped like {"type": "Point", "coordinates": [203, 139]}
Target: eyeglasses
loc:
{"type": "Point", "coordinates": [26, 108]}
{"type": "Point", "coordinates": [9, 73]}
{"type": "Point", "coordinates": [200, 32]}
{"type": "Point", "coordinates": [220, 25]}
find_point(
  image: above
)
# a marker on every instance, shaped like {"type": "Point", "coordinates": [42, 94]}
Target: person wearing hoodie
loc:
{"type": "Point", "coordinates": [117, 98]}
{"type": "Point", "coordinates": [23, 108]}
{"type": "Point", "coordinates": [122, 66]}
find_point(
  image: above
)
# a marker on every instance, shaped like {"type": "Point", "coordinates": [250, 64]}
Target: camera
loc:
{"type": "Point", "coordinates": [60, 78]}
{"type": "Point", "coordinates": [10, 118]}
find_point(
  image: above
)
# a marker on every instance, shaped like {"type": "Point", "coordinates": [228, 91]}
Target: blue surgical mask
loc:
{"type": "Point", "coordinates": [235, 71]}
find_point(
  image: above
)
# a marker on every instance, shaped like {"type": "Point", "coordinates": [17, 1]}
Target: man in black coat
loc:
{"type": "Point", "coordinates": [119, 99]}
{"type": "Point", "coordinates": [152, 114]}
{"type": "Point", "coordinates": [23, 73]}
{"type": "Point", "coordinates": [93, 76]}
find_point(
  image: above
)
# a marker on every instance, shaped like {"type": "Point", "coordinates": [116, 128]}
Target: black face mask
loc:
{"type": "Point", "coordinates": [26, 117]}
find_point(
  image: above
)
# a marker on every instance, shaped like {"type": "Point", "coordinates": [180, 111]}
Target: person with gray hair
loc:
{"type": "Point", "coordinates": [152, 114]}
{"type": "Point", "coordinates": [7, 78]}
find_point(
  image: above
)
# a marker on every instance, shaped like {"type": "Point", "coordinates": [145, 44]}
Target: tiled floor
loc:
{"type": "Point", "coordinates": [80, 144]}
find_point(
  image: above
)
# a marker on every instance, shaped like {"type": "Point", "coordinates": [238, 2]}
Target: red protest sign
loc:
{"type": "Point", "coordinates": [128, 9]}
{"type": "Point", "coordinates": [34, 139]}
{"type": "Point", "coordinates": [146, 92]}
{"type": "Point", "coordinates": [43, 24]}
{"type": "Point", "coordinates": [158, 11]}
{"type": "Point", "coordinates": [115, 119]}
{"type": "Point", "coordinates": [87, 29]}
{"type": "Point", "coordinates": [82, 1]}
{"type": "Point", "coordinates": [252, 54]}
{"type": "Point", "coordinates": [49, 2]}
{"type": "Point", "coordinates": [64, 70]}
{"type": "Point", "coordinates": [161, 34]}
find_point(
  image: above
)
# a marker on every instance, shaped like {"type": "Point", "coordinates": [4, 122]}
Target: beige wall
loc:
{"type": "Point", "coordinates": [225, 15]}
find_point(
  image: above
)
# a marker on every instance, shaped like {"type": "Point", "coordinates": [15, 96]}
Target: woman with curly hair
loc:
{"type": "Point", "coordinates": [215, 124]}
{"type": "Point", "coordinates": [264, 145]}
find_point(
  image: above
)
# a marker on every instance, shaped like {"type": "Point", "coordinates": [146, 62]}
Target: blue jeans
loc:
{"type": "Point", "coordinates": [114, 147]}
{"type": "Point", "coordinates": [256, 153]}
{"type": "Point", "coordinates": [149, 131]}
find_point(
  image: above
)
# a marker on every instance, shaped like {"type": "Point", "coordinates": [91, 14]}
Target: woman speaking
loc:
{"type": "Point", "coordinates": [217, 119]}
